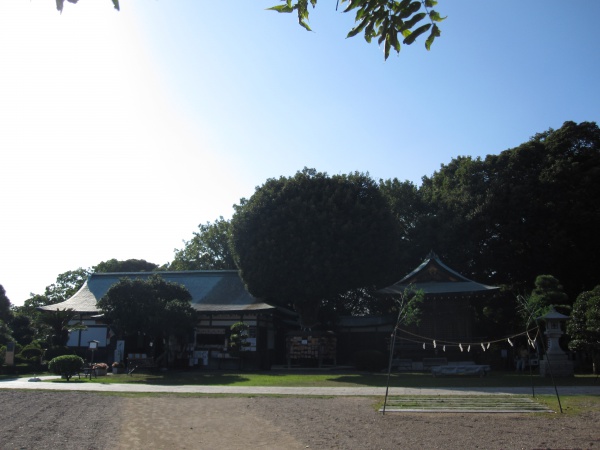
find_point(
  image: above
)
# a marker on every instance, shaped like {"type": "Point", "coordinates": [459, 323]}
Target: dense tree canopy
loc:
{"type": "Point", "coordinates": [207, 250]}
{"type": "Point", "coordinates": [529, 210]}
{"type": "Point", "coordinates": [5, 311]}
{"type": "Point", "coordinates": [311, 237]}
{"type": "Point", "coordinates": [584, 326]}
{"type": "Point", "coordinates": [152, 306]}
{"type": "Point", "coordinates": [129, 265]}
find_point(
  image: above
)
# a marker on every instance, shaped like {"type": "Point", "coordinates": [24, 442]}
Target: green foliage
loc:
{"type": "Point", "coordinates": [207, 250]}
{"type": "Point", "coordinates": [151, 306]}
{"type": "Point", "coordinates": [529, 210]}
{"type": "Point", "coordinates": [370, 360]}
{"type": "Point", "coordinates": [23, 330]}
{"type": "Point", "coordinates": [5, 311]}
{"type": "Point", "coordinates": [5, 333]}
{"type": "Point", "coordinates": [358, 302]}
{"type": "Point", "coordinates": [548, 293]}
{"type": "Point", "coordinates": [391, 22]}
{"type": "Point", "coordinates": [58, 325]}
{"type": "Point", "coordinates": [32, 351]}
{"type": "Point", "coordinates": [65, 365]}
{"type": "Point", "coordinates": [311, 237]}
{"type": "Point", "coordinates": [584, 326]}
{"type": "Point", "coordinates": [31, 355]}
{"type": "Point", "coordinates": [53, 352]}
{"type": "Point", "coordinates": [130, 265]}
{"type": "Point", "coordinates": [238, 338]}
{"type": "Point", "coordinates": [66, 285]}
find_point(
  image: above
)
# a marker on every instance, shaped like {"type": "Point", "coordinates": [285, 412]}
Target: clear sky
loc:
{"type": "Point", "coordinates": [120, 132]}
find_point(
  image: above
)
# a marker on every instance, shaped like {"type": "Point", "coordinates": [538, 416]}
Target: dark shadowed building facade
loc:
{"type": "Point", "coordinates": [221, 300]}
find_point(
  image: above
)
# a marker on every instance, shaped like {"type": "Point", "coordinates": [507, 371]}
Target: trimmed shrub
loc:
{"type": "Point", "coordinates": [370, 360]}
{"type": "Point", "coordinates": [31, 356]}
{"type": "Point", "coordinates": [31, 351]}
{"type": "Point", "coordinates": [65, 365]}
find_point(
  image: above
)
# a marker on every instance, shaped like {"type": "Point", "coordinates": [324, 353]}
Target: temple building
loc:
{"type": "Point", "coordinates": [447, 309]}
{"type": "Point", "coordinates": [221, 300]}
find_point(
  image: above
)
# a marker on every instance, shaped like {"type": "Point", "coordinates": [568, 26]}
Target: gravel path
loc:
{"type": "Point", "coordinates": [82, 420]}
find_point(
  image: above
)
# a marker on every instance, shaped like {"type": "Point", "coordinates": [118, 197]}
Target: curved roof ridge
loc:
{"type": "Point", "coordinates": [432, 276]}
{"type": "Point", "coordinates": [83, 301]}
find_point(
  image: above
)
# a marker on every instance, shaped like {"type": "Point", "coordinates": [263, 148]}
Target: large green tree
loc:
{"type": "Point", "coordinates": [584, 326]}
{"type": "Point", "coordinates": [5, 306]}
{"type": "Point", "coordinates": [207, 250]}
{"type": "Point", "coordinates": [151, 306]}
{"type": "Point", "coordinates": [529, 210]}
{"type": "Point", "coordinates": [6, 316]}
{"type": "Point", "coordinates": [390, 22]}
{"type": "Point", "coordinates": [129, 265]}
{"type": "Point", "coordinates": [311, 237]}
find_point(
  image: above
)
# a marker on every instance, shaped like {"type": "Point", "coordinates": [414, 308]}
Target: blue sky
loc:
{"type": "Point", "coordinates": [121, 131]}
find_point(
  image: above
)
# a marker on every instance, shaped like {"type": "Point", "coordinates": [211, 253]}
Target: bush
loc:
{"type": "Point", "coordinates": [65, 365]}
{"type": "Point", "coordinates": [31, 356]}
{"type": "Point", "coordinates": [370, 360]}
{"type": "Point", "coordinates": [31, 351]}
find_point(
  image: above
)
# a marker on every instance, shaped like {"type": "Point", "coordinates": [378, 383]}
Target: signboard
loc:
{"type": "Point", "coordinates": [120, 351]}
{"type": "Point", "coordinates": [10, 354]}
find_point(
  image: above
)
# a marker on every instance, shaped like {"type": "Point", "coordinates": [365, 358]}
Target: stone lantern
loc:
{"type": "Point", "coordinates": [555, 359]}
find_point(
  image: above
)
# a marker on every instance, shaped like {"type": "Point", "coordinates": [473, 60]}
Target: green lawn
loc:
{"type": "Point", "coordinates": [335, 379]}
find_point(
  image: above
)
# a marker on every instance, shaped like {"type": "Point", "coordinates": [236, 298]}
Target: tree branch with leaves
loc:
{"type": "Point", "coordinates": [391, 22]}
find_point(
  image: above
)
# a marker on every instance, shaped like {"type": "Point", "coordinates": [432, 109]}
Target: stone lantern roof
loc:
{"type": "Point", "coordinates": [553, 315]}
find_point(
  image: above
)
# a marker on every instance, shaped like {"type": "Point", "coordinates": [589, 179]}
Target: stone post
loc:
{"type": "Point", "coordinates": [555, 359]}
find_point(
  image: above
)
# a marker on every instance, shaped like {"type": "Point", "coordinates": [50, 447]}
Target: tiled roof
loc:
{"type": "Point", "coordinates": [435, 278]}
{"type": "Point", "coordinates": [83, 301]}
{"type": "Point", "coordinates": [211, 291]}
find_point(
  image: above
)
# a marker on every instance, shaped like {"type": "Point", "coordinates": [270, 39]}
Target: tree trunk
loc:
{"type": "Point", "coordinates": [308, 310]}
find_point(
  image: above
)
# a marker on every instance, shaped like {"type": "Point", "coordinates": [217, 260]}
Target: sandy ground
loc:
{"type": "Point", "coordinates": [79, 420]}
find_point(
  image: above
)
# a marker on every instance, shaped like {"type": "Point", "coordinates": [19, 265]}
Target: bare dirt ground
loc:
{"type": "Point", "coordinates": [77, 420]}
